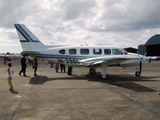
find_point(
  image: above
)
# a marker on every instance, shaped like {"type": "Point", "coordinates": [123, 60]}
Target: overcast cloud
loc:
{"type": "Point", "coordinates": [122, 23]}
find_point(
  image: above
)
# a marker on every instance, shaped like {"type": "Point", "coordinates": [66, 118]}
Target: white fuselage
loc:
{"type": "Point", "coordinates": [71, 55]}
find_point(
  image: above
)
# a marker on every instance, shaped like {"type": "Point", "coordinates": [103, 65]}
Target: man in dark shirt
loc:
{"type": "Point", "coordinates": [24, 65]}
{"type": "Point", "coordinates": [35, 62]}
{"type": "Point", "coordinates": [63, 67]}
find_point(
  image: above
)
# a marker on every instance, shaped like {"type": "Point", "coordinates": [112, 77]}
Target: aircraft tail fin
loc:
{"type": "Point", "coordinates": [27, 39]}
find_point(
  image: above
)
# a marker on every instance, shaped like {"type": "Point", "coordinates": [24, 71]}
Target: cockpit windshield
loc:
{"type": "Point", "coordinates": [125, 52]}
{"type": "Point", "coordinates": [119, 52]}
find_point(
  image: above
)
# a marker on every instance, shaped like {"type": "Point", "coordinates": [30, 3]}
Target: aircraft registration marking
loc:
{"type": "Point", "coordinates": [68, 60]}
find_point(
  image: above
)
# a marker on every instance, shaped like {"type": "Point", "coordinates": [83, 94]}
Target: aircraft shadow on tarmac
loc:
{"type": "Point", "coordinates": [42, 79]}
{"type": "Point", "coordinates": [124, 81]}
{"type": "Point", "coordinates": [129, 82]}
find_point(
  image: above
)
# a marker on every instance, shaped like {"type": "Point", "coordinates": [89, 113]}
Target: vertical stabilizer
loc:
{"type": "Point", "coordinates": [27, 39]}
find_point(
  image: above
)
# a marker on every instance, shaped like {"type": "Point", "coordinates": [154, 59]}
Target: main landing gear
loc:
{"type": "Point", "coordinates": [103, 76]}
{"type": "Point", "coordinates": [92, 71]}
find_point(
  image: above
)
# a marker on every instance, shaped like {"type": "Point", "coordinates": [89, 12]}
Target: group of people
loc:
{"type": "Point", "coordinates": [6, 58]}
{"type": "Point", "coordinates": [24, 64]}
{"type": "Point", "coordinates": [62, 66]}
{"type": "Point", "coordinates": [23, 61]}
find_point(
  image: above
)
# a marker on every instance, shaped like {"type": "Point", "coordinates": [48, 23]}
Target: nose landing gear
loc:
{"type": "Point", "coordinates": [138, 73]}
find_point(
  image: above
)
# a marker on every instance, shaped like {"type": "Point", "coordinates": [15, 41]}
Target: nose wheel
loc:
{"type": "Point", "coordinates": [138, 73]}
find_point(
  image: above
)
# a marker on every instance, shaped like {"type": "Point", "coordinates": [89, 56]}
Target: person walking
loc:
{"type": "Point", "coordinates": [10, 73]}
{"type": "Point", "coordinates": [23, 65]}
{"type": "Point", "coordinates": [35, 63]}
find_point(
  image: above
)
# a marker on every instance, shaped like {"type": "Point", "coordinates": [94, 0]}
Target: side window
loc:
{"type": "Point", "coordinates": [97, 51]}
{"type": "Point", "coordinates": [62, 51]}
{"type": "Point", "coordinates": [84, 51]}
{"type": "Point", "coordinates": [72, 51]}
{"type": "Point", "coordinates": [107, 51]}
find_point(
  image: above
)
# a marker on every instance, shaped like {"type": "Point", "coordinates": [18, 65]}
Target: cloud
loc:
{"type": "Point", "coordinates": [10, 12]}
{"type": "Point", "coordinates": [79, 8]}
{"type": "Point", "coordinates": [121, 23]}
{"type": "Point", "coordinates": [122, 15]}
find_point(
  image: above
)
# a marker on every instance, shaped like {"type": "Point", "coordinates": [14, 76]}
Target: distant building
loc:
{"type": "Point", "coordinates": [151, 47]}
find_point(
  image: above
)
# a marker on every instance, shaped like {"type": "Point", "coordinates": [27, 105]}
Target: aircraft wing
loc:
{"type": "Point", "coordinates": [110, 60]}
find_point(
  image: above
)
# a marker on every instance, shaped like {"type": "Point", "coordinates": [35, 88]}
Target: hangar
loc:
{"type": "Point", "coordinates": [151, 47]}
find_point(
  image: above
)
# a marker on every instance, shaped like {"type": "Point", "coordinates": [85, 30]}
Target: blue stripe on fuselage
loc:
{"type": "Point", "coordinates": [56, 56]}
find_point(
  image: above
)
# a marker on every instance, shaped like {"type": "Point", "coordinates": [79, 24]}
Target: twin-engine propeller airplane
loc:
{"type": "Point", "coordinates": [88, 56]}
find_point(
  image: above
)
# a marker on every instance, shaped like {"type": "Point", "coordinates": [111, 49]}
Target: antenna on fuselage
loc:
{"type": "Point", "coordinates": [85, 43]}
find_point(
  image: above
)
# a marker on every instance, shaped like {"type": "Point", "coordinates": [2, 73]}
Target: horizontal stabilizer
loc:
{"type": "Point", "coordinates": [29, 53]}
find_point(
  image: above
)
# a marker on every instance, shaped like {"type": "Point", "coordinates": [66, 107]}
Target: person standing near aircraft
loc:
{"type": "Point", "coordinates": [10, 73]}
{"type": "Point", "coordinates": [62, 67]}
{"type": "Point", "coordinates": [56, 66]}
{"type": "Point", "coordinates": [24, 65]}
{"type": "Point", "coordinates": [5, 60]}
{"type": "Point", "coordinates": [35, 63]}
{"type": "Point", "coordinates": [69, 70]}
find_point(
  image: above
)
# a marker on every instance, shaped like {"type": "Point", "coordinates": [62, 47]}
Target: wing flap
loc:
{"type": "Point", "coordinates": [110, 60]}
{"type": "Point", "coordinates": [92, 63]}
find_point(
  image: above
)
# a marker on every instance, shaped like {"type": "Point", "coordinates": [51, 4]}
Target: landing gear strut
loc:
{"type": "Point", "coordinates": [138, 73]}
{"type": "Point", "coordinates": [104, 74]}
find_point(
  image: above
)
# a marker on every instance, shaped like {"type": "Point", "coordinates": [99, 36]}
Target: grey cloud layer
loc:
{"type": "Point", "coordinates": [126, 15]}
{"type": "Point", "coordinates": [97, 22]}
{"type": "Point", "coordinates": [93, 15]}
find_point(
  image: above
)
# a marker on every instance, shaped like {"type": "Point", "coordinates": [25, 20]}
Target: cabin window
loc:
{"type": "Point", "coordinates": [97, 51]}
{"type": "Point", "coordinates": [117, 52]}
{"type": "Point", "coordinates": [72, 51]}
{"type": "Point", "coordinates": [107, 51]}
{"type": "Point", "coordinates": [84, 51]}
{"type": "Point", "coordinates": [62, 51]}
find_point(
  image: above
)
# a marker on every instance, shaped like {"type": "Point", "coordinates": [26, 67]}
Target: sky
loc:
{"type": "Point", "coordinates": [120, 23]}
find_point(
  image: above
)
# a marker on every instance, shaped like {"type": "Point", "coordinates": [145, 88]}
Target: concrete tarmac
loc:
{"type": "Point", "coordinates": [57, 96]}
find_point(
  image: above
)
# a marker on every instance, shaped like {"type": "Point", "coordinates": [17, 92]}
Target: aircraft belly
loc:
{"type": "Point", "coordinates": [130, 63]}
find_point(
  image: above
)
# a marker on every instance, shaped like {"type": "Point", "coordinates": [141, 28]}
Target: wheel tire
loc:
{"type": "Point", "coordinates": [92, 71]}
{"type": "Point", "coordinates": [138, 74]}
{"type": "Point", "coordinates": [104, 77]}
